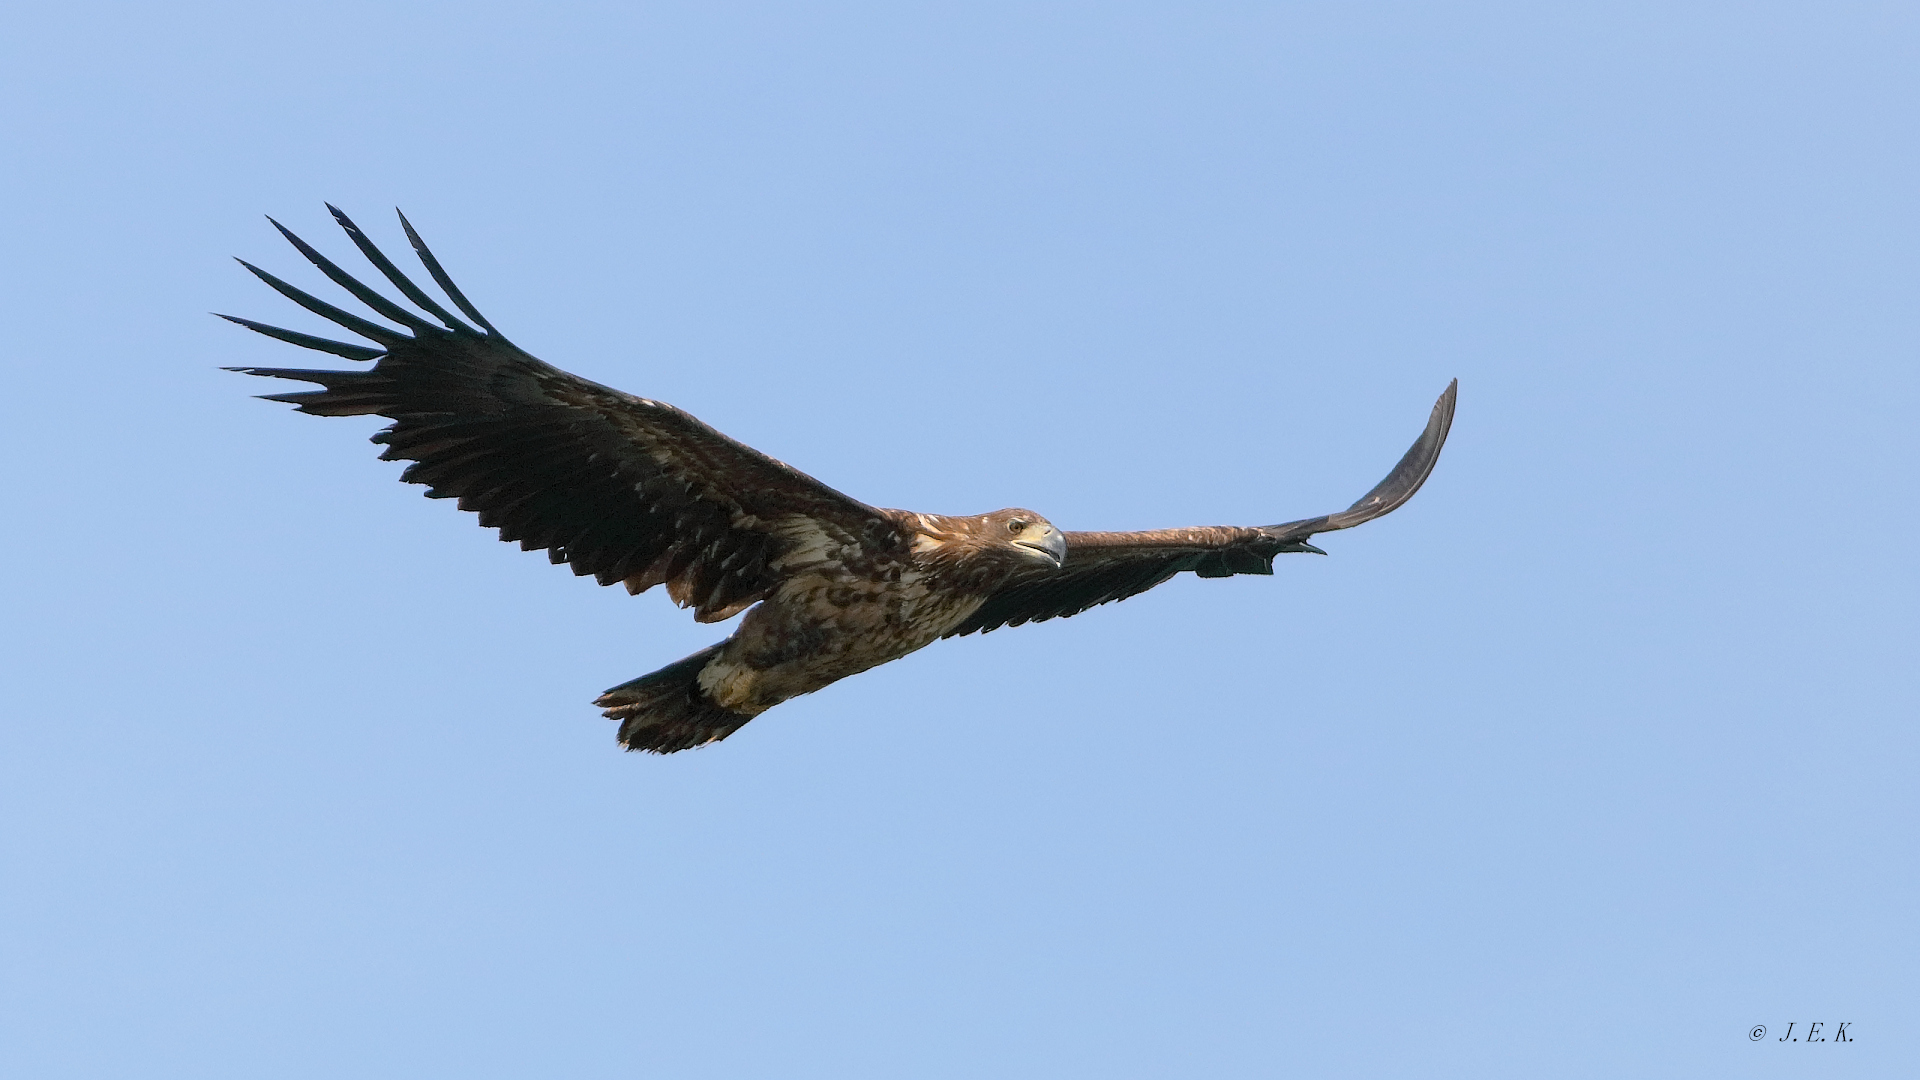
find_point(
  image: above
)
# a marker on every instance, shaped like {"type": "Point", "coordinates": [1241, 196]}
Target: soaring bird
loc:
{"type": "Point", "coordinates": [637, 492]}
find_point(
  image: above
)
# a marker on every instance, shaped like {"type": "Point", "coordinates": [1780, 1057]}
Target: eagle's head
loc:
{"type": "Point", "coordinates": [990, 545]}
{"type": "Point", "coordinates": [1027, 535]}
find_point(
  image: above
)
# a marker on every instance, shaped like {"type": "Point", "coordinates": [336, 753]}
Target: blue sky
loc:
{"type": "Point", "coordinates": [1593, 757]}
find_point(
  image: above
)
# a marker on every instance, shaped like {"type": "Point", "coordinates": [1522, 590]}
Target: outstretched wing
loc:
{"type": "Point", "coordinates": [619, 487]}
{"type": "Point", "coordinates": [1105, 566]}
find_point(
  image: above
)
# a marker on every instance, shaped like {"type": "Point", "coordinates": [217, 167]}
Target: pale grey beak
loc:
{"type": "Point", "coordinates": [1052, 545]}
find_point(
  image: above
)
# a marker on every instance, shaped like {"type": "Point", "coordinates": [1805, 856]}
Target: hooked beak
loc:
{"type": "Point", "coordinates": [1051, 546]}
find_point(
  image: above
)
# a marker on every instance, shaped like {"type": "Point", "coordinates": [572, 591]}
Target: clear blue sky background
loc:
{"type": "Point", "coordinates": [1597, 754]}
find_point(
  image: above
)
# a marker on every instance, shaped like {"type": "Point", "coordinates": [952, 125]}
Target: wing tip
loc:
{"type": "Point", "coordinates": [1409, 475]}
{"type": "Point", "coordinates": [1447, 400]}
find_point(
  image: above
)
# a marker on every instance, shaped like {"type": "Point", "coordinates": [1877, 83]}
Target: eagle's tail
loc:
{"type": "Point", "coordinates": [667, 710]}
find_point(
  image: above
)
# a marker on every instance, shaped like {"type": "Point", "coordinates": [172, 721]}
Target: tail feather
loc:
{"type": "Point", "coordinates": [667, 710]}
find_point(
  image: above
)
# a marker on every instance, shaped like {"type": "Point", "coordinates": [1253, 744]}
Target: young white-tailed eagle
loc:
{"type": "Point", "coordinates": [640, 493]}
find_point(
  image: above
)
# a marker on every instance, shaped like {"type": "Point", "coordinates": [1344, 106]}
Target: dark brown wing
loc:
{"type": "Point", "coordinates": [1105, 566]}
{"type": "Point", "coordinates": [619, 487]}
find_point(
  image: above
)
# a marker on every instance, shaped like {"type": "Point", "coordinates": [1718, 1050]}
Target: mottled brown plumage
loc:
{"type": "Point", "coordinates": [635, 491]}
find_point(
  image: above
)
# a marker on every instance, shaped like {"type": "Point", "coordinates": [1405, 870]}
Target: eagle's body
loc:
{"type": "Point", "coordinates": [841, 610]}
{"type": "Point", "coordinates": [635, 491]}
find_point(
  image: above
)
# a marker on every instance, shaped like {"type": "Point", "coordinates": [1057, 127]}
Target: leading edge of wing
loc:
{"type": "Point", "coordinates": [1389, 494]}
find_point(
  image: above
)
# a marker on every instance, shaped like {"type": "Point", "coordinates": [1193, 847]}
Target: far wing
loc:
{"type": "Point", "coordinates": [619, 487]}
{"type": "Point", "coordinates": [1105, 566]}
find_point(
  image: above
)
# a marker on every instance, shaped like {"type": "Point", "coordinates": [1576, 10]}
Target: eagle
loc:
{"type": "Point", "coordinates": [636, 492]}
